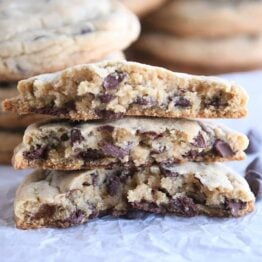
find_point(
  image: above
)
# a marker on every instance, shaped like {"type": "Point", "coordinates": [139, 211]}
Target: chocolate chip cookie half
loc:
{"type": "Point", "coordinates": [64, 199]}
{"type": "Point", "coordinates": [64, 145]}
{"type": "Point", "coordinates": [114, 89]}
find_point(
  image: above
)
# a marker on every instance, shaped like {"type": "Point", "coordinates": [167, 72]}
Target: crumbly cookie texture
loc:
{"type": "Point", "coordinates": [11, 120]}
{"type": "Point", "coordinates": [236, 53]}
{"type": "Point", "coordinates": [205, 18]}
{"type": "Point", "coordinates": [63, 199]}
{"type": "Point", "coordinates": [129, 142]}
{"type": "Point", "coordinates": [56, 34]}
{"type": "Point", "coordinates": [114, 89]}
{"type": "Point", "coordinates": [141, 8]}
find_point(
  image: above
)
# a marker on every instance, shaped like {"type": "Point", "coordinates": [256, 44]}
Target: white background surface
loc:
{"type": "Point", "coordinates": [153, 239]}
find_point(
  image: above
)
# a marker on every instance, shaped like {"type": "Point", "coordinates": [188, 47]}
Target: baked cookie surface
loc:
{"type": "Point", "coordinates": [114, 89]}
{"type": "Point", "coordinates": [56, 35]}
{"type": "Point", "coordinates": [205, 18]}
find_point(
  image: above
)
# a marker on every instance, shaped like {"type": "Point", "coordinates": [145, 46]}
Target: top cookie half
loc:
{"type": "Point", "coordinates": [46, 36]}
{"type": "Point", "coordinates": [113, 89]}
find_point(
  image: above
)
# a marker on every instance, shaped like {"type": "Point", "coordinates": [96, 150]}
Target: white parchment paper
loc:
{"type": "Point", "coordinates": [153, 239]}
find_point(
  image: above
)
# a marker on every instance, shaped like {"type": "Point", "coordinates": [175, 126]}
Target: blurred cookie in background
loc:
{"type": "Point", "coordinates": [202, 37]}
{"type": "Point", "coordinates": [9, 140]}
{"type": "Point", "coordinates": [199, 55]}
{"type": "Point", "coordinates": [57, 34]}
{"type": "Point", "coordinates": [142, 7]}
{"type": "Point", "coordinates": [205, 18]}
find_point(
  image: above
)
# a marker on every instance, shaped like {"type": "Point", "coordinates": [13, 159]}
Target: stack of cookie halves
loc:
{"type": "Point", "coordinates": [39, 42]}
{"type": "Point", "coordinates": [123, 141]}
{"type": "Point", "coordinates": [203, 36]}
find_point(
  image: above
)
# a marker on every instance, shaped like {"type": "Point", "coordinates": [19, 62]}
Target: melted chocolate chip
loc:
{"type": "Point", "coordinates": [108, 114]}
{"type": "Point", "coordinates": [114, 151]}
{"type": "Point", "coordinates": [76, 136]}
{"type": "Point", "coordinates": [166, 170]}
{"type": "Point", "coordinates": [184, 206]}
{"type": "Point", "coordinates": [192, 155]}
{"type": "Point", "coordinates": [90, 155]}
{"type": "Point", "coordinates": [39, 153]}
{"type": "Point", "coordinates": [64, 137]}
{"type": "Point", "coordinates": [216, 102]}
{"type": "Point", "coordinates": [183, 102]}
{"type": "Point", "coordinates": [234, 206]}
{"type": "Point", "coordinates": [149, 207]}
{"type": "Point", "coordinates": [45, 211]}
{"type": "Point", "coordinates": [199, 141]}
{"type": "Point", "coordinates": [113, 185]}
{"type": "Point", "coordinates": [222, 148]}
{"type": "Point", "coordinates": [55, 111]}
{"type": "Point", "coordinates": [151, 134]}
{"type": "Point", "coordinates": [135, 214]}
{"type": "Point", "coordinates": [106, 128]}
{"type": "Point", "coordinates": [76, 217]}
{"type": "Point", "coordinates": [106, 98]}
{"type": "Point", "coordinates": [113, 80]}
{"type": "Point", "coordinates": [255, 141]}
{"type": "Point", "coordinates": [144, 101]}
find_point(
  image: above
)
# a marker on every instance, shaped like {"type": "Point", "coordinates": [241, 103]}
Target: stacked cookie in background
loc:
{"type": "Point", "coordinates": [203, 37]}
{"type": "Point", "coordinates": [142, 8]}
{"type": "Point", "coordinates": [134, 148]}
{"type": "Point", "coordinates": [53, 36]}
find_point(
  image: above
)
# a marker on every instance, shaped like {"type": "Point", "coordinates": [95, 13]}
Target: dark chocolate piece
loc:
{"type": "Point", "coordinates": [255, 165]}
{"type": "Point", "coordinates": [113, 80]}
{"type": "Point", "coordinates": [199, 141]}
{"type": "Point", "coordinates": [114, 151]}
{"type": "Point", "coordinates": [166, 171]}
{"type": "Point", "coordinates": [234, 206]}
{"type": "Point", "coordinates": [37, 153]}
{"type": "Point", "coordinates": [183, 102]}
{"type": "Point", "coordinates": [55, 111]}
{"type": "Point", "coordinates": [113, 185]}
{"type": "Point", "coordinates": [254, 180]}
{"type": "Point", "coordinates": [255, 141]}
{"type": "Point", "coordinates": [184, 206]}
{"type": "Point", "coordinates": [108, 114]}
{"type": "Point", "coordinates": [90, 155]}
{"type": "Point", "coordinates": [106, 98]}
{"type": "Point", "coordinates": [76, 136]}
{"type": "Point", "coordinates": [222, 148]}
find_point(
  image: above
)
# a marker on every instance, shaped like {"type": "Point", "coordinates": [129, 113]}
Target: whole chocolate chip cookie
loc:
{"type": "Point", "coordinates": [143, 7]}
{"type": "Point", "coordinates": [46, 36]}
{"type": "Point", "coordinates": [114, 89]}
{"type": "Point", "coordinates": [64, 199]}
{"type": "Point", "coordinates": [130, 142]}
{"type": "Point", "coordinates": [202, 55]}
{"type": "Point", "coordinates": [205, 18]}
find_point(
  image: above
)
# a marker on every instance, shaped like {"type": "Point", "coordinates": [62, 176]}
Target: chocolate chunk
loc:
{"type": "Point", "coordinates": [76, 136]}
{"type": "Point", "coordinates": [39, 153]}
{"type": "Point", "coordinates": [113, 80]}
{"type": "Point", "coordinates": [234, 206]}
{"type": "Point", "coordinates": [108, 114]}
{"type": "Point", "coordinates": [144, 101]}
{"type": "Point", "coordinates": [216, 102]}
{"type": "Point", "coordinates": [64, 137]}
{"type": "Point", "coordinates": [86, 30]}
{"type": "Point", "coordinates": [76, 217]}
{"type": "Point", "coordinates": [113, 185]}
{"type": "Point", "coordinates": [192, 155]}
{"type": "Point", "coordinates": [166, 171]}
{"type": "Point", "coordinates": [106, 98]}
{"type": "Point", "coordinates": [149, 207]}
{"type": "Point", "coordinates": [184, 206]}
{"type": "Point", "coordinates": [55, 111]}
{"type": "Point", "coordinates": [182, 102]}
{"type": "Point", "coordinates": [114, 151]}
{"type": "Point", "coordinates": [199, 141]}
{"type": "Point", "coordinates": [255, 141]}
{"type": "Point", "coordinates": [151, 134]}
{"type": "Point", "coordinates": [254, 180]}
{"type": "Point", "coordinates": [45, 211]}
{"type": "Point", "coordinates": [90, 155]}
{"type": "Point", "coordinates": [106, 128]}
{"type": "Point", "coordinates": [255, 165]}
{"type": "Point", "coordinates": [222, 148]}
{"type": "Point", "coordinates": [135, 214]}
